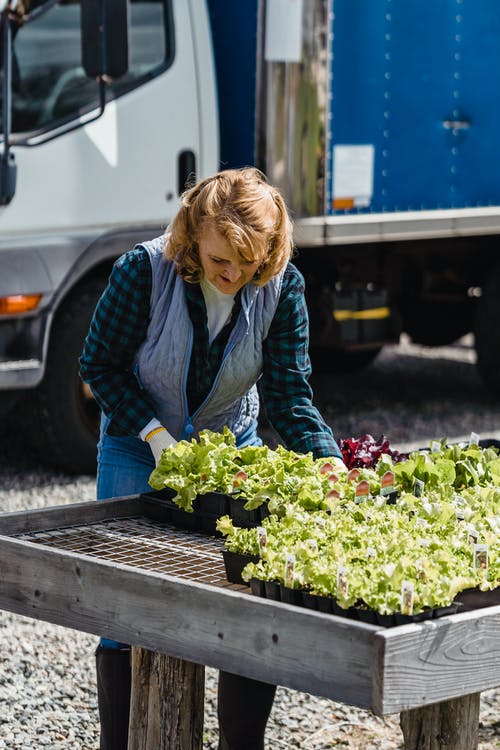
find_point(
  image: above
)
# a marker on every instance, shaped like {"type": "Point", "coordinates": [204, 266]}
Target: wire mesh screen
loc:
{"type": "Point", "coordinates": [142, 543]}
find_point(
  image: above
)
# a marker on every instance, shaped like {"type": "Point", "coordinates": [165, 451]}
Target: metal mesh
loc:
{"type": "Point", "coordinates": [142, 543]}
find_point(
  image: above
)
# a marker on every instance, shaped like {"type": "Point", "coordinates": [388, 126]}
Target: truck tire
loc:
{"type": "Point", "coordinates": [487, 340]}
{"type": "Point", "coordinates": [438, 323]}
{"type": "Point", "coordinates": [64, 415]}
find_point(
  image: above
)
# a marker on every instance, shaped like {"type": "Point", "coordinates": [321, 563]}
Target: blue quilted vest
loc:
{"type": "Point", "coordinates": [162, 361]}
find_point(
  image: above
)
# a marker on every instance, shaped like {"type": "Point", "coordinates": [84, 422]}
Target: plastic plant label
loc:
{"type": "Point", "coordinates": [407, 598]}
{"type": "Point", "coordinates": [342, 582]}
{"type": "Point", "coordinates": [472, 535]}
{"type": "Point", "coordinates": [261, 538]}
{"type": "Point", "coordinates": [326, 468]}
{"type": "Point", "coordinates": [481, 556]}
{"type": "Point", "coordinates": [460, 506]}
{"type": "Point", "coordinates": [435, 446]}
{"type": "Point", "coordinates": [332, 495]}
{"type": "Point", "coordinates": [353, 475]}
{"type": "Point", "coordinates": [392, 499]}
{"type": "Point", "coordinates": [289, 575]}
{"type": "Point", "coordinates": [312, 543]}
{"type": "Point", "coordinates": [387, 483]}
{"type": "Point", "coordinates": [418, 487]}
{"type": "Point", "coordinates": [362, 491]}
{"type": "Point", "coordinates": [473, 439]}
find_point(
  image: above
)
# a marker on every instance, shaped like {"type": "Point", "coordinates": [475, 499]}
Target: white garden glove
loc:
{"type": "Point", "coordinates": [158, 439]}
{"type": "Point", "coordinates": [333, 464]}
{"type": "Point", "coordinates": [338, 464]}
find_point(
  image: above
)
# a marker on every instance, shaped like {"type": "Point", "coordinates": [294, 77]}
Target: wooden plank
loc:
{"type": "Point", "coordinates": [74, 514]}
{"type": "Point", "coordinates": [437, 660]}
{"type": "Point", "coordinates": [237, 632]}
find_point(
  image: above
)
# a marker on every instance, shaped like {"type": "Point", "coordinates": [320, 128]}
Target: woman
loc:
{"type": "Point", "coordinates": [187, 326]}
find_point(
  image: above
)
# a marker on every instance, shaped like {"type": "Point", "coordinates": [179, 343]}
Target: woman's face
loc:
{"type": "Point", "coordinates": [222, 265]}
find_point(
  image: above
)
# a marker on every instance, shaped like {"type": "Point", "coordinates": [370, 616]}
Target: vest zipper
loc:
{"type": "Point", "coordinates": [188, 428]}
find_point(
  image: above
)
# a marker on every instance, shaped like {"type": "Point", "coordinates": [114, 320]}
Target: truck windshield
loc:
{"type": "Point", "coordinates": [49, 85]}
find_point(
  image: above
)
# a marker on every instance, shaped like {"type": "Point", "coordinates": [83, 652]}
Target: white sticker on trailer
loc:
{"type": "Point", "coordinates": [283, 41]}
{"type": "Point", "coordinates": [353, 173]}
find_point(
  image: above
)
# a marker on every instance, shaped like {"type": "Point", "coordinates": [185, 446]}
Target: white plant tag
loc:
{"type": "Point", "coordinates": [418, 487]}
{"type": "Point", "coordinates": [312, 543]}
{"type": "Point", "coordinates": [407, 597]}
{"type": "Point", "coordinates": [481, 556]}
{"type": "Point", "coordinates": [261, 538]}
{"type": "Point", "coordinates": [472, 535]}
{"type": "Point", "coordinates": [387, 483]}
{"type": "Point", "coordinates": [362, 492]}
{"type": "Point", "coordinates": [342, 582]}
{"type": "Point", "coordinates": [289, 576]}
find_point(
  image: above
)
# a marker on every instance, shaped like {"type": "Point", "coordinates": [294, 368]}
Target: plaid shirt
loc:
{"type": "Point", "coordinates": [119, 326]}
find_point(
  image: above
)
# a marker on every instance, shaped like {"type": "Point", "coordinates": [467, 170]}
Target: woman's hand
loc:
{"type": "Point", "coordinates": [159, 440]}
{"type": "Point", "coordinates": [338, 464]}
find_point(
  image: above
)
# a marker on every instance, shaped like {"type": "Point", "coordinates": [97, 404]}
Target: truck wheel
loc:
{"type": "Point", "coordinates": [438, 323]}
{"type": "Point", "coordinates": [64, 414]}
{"type": "Point", "coordinates": [487, 340]}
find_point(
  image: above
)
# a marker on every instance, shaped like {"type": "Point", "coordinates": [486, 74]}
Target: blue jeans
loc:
{"type": "Point", "coordinates": [124, 465]}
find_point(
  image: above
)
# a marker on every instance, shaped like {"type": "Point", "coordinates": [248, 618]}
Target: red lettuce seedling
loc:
{"type": "Point", "coordinates": [365, 451]}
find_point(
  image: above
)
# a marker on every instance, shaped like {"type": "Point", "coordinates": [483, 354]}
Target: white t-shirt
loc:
{"type": "Point", "coordinates": [219, 307]}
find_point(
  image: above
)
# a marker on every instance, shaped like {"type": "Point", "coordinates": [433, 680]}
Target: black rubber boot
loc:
{"type": "Point", "coordinates": [113, 696]}
{"type": "Point", "coordinates": [244, 706]}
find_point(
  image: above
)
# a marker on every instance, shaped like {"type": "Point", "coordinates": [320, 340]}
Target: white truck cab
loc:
{"type": "Point", "coordinates": [100, 162]}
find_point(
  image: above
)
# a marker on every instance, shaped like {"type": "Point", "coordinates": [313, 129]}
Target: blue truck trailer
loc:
{"type": "Point", "coordinates": [377, 119]}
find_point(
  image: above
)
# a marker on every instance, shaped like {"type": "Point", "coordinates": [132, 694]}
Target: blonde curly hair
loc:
{"type": "Point", "coordinates": [243, 208]}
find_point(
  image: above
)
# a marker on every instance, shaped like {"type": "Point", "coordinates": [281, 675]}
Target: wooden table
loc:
{"type": "Point", "coordinates": [118, 569]}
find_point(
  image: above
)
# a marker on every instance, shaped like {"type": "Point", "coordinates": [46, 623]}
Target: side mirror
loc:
{"type": "Point", "coordinates": [8, 178]}
{"type": "Point", "coordinates": [104, 26]}
{"type": "Point", "coordinates": [8, 168]}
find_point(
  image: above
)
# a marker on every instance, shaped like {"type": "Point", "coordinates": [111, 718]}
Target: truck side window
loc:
{"type": "Point", "coordinates": [49, 86]}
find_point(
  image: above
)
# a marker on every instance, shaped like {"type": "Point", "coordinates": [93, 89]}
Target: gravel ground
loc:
{"type": "Point", "coordinates": [47, 683]}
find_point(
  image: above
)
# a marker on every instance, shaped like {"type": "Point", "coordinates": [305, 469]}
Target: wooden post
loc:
{"type": "Point", "coordinates": [450, 725]}
{"type": "Point", "coordinates": [167, 703]}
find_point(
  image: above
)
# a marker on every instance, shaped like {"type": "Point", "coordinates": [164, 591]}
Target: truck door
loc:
{"type": "Point", "coordinates": [91, 183]}
{"type": "Point", "coordinates": [88, 175]}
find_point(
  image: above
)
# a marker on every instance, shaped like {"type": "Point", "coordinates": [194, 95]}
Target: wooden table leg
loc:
{"type": "Point", "coordinates": [450, 725]}
{"type": "Point", "coordinates": [167, 703]}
